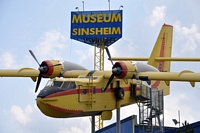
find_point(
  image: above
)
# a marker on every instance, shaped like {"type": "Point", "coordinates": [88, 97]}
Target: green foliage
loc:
{"type": "Point", "coordinates": [186, 128]}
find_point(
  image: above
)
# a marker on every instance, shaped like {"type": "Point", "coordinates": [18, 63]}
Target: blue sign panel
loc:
{"type": "Point", "coordinates": [89, 25]}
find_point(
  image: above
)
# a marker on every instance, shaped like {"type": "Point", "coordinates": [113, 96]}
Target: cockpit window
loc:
{"type": "Point", "coordinates": [52, 83]}
{"type": "Point", "coordinates": [57, 83]}
{"type": "Point", "coordinates": [68, 85]}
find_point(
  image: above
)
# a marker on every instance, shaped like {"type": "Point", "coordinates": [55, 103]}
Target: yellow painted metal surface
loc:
{"type": "Point", "coordinates": [79, 104]}
{"type": "Point", "coordinates": [23, 72]}
{"type": "Point", "coordinates": [157, 59]}
{"type": "Point", "coordinates": [172, 76]}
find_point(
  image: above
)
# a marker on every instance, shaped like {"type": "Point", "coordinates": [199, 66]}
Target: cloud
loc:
{"type": "Point", "coordinates": [20, 115]}
{"type": "Point", "coordinates": [182, 102]}
{"type": "Point", "coordinates": [188, 38]}
{"type": "Point", "coordinates": [158, 15]}
{"type": "Point", "coordinates": [52, 42]}
{"type": "Point", "coordinates": [85, 57]}
{"type": "Point", "coordinates": [76, 125]}
{"type": "Point", "coordinates": [125, 112]}
{"type": "Point", "coordinates": [31, 120]}
{"type": "Point", "coordinates": [7, 60]}
{"type": "Point", "coordinates": [73, 130]}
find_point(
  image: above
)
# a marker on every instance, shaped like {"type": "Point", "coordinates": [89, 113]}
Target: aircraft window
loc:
{"type": "Point", "coordinates": [57, 83]}
{"type": "Point", "coordinates": [54, 83]}
{"type": "Point", "coordinates": [49, 83]}
{"type": "Point", "coordinates": [69, 85]}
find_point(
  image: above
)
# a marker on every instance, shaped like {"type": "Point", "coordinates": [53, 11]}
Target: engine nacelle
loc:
{"type": "Point", "coordinates": [124, 70]}
{"type": "Point", "coordinates": [56, 68]}
{"type": "Point", "coordinates": [51, 68]}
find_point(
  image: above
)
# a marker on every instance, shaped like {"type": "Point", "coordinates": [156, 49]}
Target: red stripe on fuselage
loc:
{"type": "Point", "coordinates": [65, 110]}
{"type": "Point", "coordinates": [81, 91]}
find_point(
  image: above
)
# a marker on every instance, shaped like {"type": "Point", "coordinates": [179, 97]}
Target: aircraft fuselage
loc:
{"type": "Point", "coordinates": [83, 96]}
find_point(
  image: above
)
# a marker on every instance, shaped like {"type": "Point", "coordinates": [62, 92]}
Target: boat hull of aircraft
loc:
{"type": "Point", "coordinates": [85, 100]}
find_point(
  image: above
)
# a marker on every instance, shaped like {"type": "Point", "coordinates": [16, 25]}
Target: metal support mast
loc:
{"type": "Point", "coordinates": [99, 55]}
{"type": "Point", "coordinates": [99, 65]}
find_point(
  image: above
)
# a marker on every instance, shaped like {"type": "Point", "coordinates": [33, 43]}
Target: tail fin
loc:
{"type": "Point", "coordinates": [162, 48]}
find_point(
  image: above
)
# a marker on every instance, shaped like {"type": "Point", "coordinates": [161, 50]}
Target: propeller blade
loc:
{"type": "Point", "coordinates": [38, 82]}
{"type": "Point", "coordinates": [109, 81]}
{"type": "Point", "coordinates": [34, 57]}
{"type": "Point", "coordinates": [117, 84]}
{"type": "Point", "coordinates": [108, 53]}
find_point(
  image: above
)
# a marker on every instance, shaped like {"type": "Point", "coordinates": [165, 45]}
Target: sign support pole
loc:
{"type": "Point", "coordinates": [118, 120]}
{"type": "Point", "coordinates": [118, 128]}
{"type": "Point", "coordinates": [93, 124]}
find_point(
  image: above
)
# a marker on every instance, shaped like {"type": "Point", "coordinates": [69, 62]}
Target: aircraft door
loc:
{"type": "Point", "coordinates": [86, 94]}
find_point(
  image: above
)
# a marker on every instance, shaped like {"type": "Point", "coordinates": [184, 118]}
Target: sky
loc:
{"type": "Point", "coordinates": [44, 27]}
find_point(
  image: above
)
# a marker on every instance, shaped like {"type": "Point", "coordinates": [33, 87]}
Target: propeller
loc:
{"type": "Point", "coordinates": [109, 81]}
{"type": "Point", "coordinates": [113, 75]}
{"type": "Point", "coordinates": [31, 52]}
{"type": "Point", "coordinates": [38, 82]}
{"type": "Point", "coordinates": [108, 53]}
{"type": "Point", "coordinates": [117, 70]}
{"type": "Point", "coordinates": [43, 68]}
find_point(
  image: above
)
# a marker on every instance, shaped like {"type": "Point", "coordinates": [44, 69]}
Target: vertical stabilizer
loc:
{"type": "Point", "coordinates": [162, 48]}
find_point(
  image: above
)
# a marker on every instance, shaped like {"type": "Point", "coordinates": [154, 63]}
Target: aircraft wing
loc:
{"type": "Point", "coordinates": [185, 75]}
{"type": "Point", "coordinates": [23, 72]}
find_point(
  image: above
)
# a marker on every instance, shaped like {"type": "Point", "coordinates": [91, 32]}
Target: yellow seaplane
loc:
{"type": "Point", "coordinates": [73, 91]}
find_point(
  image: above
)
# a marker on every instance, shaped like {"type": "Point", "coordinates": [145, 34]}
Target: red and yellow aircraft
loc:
{"type": "Point", "coordinates": [73, 91]}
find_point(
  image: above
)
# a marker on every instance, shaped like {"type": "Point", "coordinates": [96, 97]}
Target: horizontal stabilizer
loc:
{"type": "Point", "coordinates": [156, 59]}
{"type": "Point", "coordinates": [171, 76]}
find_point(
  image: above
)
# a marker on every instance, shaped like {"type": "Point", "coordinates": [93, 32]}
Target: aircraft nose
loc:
{"type": "Point", "coordinates": [38, 101]}
{"type": "Point", "coordinates": [47, 91]}
{"type": "Point", "coordinates": [44, 92]}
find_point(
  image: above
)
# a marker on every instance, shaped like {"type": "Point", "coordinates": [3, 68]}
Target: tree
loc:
{"type": "Point", "coordinates": [186, 128]}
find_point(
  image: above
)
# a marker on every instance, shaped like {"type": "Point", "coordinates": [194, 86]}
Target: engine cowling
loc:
{"type": "Point", "coordinates": [56, 68]}
{"type": "Point", "coordinates": [51, 68]}
{"type": "Point", "coordinates": [124, 70]}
